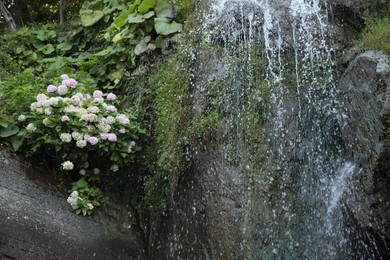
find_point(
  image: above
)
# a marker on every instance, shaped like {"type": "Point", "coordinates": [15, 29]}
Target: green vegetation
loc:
{"type": "Point", "coordinates": [376, 36]}
{"type": "Point", "coordinates": [114, 46]}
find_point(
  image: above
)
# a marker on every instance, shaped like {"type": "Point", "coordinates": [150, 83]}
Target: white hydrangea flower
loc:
{"type": "Point", "coordinates": [33, 106]}
{"type": "Point", "coordinates": [90, 206]}
{"type": "Point", "coordinates": [48, 111]}
{"type": "Point", "coordinates": [40, 110]}
{"type": "Point", "coordinates": [65, 137]}
{"type": "Point", "coordinates": [93, 110]}
{"type": "Point", "coordinates": [81, 143]}
{"type": "Point", "coordinates": [54, 101]}
{"type": "Point", "coordinates": [68, 165]}
{"type": "Point", "coordinates": [46, 103]}
{"type": "Point", "coordinates": [77, 136]}
{"type": "Point", "coordinates": [114, 167]}
{"type": "Point", "coordinates": [31, 128]}
{"type": "Point", "coordinates": [110, 120]}
{"type": "Point", "coordinates": [22, 118]}
{"type": "Point", "coordinates": [46, 121]}
{"type": "Point", "coordinates": [103, 128]}
{"type": "Point", "coordinates": [41, 97]}
{"type": "Point", "coordinates": [70, 200]}
{"type": "Point", "coordinates": [74, 194]}
{"type": "Point", "coordinates": [90, 128]}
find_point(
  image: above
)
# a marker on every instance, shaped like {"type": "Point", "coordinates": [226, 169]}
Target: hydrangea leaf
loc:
{"type": "Point", "coordinates": [9, 131]}
{"type": "Point", "coordinates": [165, 26]}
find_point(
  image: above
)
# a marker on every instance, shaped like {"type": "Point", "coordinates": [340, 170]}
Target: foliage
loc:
{"type": "Point", "coordinates": [26, 13]}
{"type": "Point", "coordinates": [80, 129]}
{"type": "Point", "coordinates": [83, 199]}
{"type": "Point", "coordinates": [112, 46]}
{"type": "Point", "coordinates": [376, 35]}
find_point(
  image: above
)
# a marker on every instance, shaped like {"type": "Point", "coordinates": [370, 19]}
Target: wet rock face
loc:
{"type": "Point", "coordinates": [365, 88]}
{"type": "Point", "coordinates": [37, 223]}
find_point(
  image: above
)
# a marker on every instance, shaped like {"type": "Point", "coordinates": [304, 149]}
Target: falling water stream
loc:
{"type": "Point", "coordinates": [294, 200]}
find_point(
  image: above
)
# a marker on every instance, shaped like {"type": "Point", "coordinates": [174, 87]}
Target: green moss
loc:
{"type": "Point", "coordinates": [376, 35]}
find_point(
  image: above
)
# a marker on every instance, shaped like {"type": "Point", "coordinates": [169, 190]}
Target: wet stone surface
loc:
{"type": "Point", "coordinates": [37, 223]}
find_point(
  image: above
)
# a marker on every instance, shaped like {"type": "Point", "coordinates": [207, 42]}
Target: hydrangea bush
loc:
{"type": "Point", "coordinates": [85, 132]}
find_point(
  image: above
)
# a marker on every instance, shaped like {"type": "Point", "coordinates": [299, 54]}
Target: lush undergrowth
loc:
{"type": "Point", "coordinates": [111, 47]}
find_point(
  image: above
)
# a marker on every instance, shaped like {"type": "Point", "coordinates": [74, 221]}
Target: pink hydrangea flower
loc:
{"type": "Point", "coordinates": [64, 118]}
{"type": "Point", "coordinates": [97, 94]}
{"type": "Point", "coordinates": [82, 172]}
{"type": "Point", "coordinates": [111, 108]}
{"type": "Point", "coordinates": [123, 119]}
{"type": "Point", "coordinates": [111, 137]}
{"type": "Point", "coordinates": [98, 100]}
{"type": "Point", "coordinates": [51, 88]}
{"type": "Point", "coordinates": [103, 136]}
{"type": "Point", "coordinates": [70, 83]}
{"type": "Point", "coordinates": [111, 96]}
{"type": "Point", "coordinates": [93, 140]}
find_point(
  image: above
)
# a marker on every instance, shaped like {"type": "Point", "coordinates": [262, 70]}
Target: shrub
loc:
{"type": "Point", "coordinates": [84, 131]}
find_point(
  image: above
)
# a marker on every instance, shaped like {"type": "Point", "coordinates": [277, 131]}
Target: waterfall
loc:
{"type": "Point", "coordinates": [279, 76]}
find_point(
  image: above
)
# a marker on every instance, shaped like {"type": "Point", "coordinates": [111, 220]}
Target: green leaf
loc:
{"type": "Point", "coordinates": [45, 35]}
{"type": "Point", "coordinates": [8, 131]}
{"type": "Point", "coordinates": [133, 18]}
{"type": "Point", "coordinates": [148, 15]}
{"type": "Point", "coordinates": [165, 26]}
{"type": "Point", "coordinates": [4, 122]}
{"type": "Point", "coordinates": [90, 18]}
{"type": "Point", "coordinates": [121, 19]}
{"type": "Point", "coordinates": [144, 45]}
{"type": "Point", "coordinates": [65, 46]}
{"type": "Point", "coordinates": [47, 49]}
{"type": "Point", "coordinates": [164, 9]}
{"type": "Point", "coordinates": [81, 183]}
{"type": "Point", "coordinates": [16, 142]}
{"type": "Point", "coordinates": [145, 6]}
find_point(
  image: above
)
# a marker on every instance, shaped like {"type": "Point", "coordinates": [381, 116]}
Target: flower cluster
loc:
{"type": "Point", "coordinates": [82, 128]}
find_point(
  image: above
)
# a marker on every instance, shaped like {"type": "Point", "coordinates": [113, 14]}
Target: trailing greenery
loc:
{"type": "Point", "coordinates": [376, 36]}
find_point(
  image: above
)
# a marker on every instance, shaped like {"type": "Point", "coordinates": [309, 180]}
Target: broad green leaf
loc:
{"type": "Point", "coordinates": [3, 122]}
{"type": "Point", "coordinates": [148, 15]}
{"type": "Point", "coordinates": [38, 45]}
{"type": "Point", "coordinates": [47, 49]}
{"type": "Point", "coordinates": [144, 45]}
{"type": "Point", "coordinates": [45, 35]}
{"type": "Point", "coordinates": [164, 8]}
{"type": "Point", "coordinates": [20, 49]}
{"type": "Point", "coordinates": [90, 18]}
{"type": "Point", "coordinates": [165, 26]}
{"type": "Point", "coordinates": [16, 142]}
{"type": "Point", "coordinates": [8, 131]}
{"type": "Point", "coordinates": [65, 46]}
{"type": "Point", "coordinates": [145, 6]}
{"type": "Point", "coordinates": [133, 18]}
{"type": "Point", "coordinates": [121, 19]}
